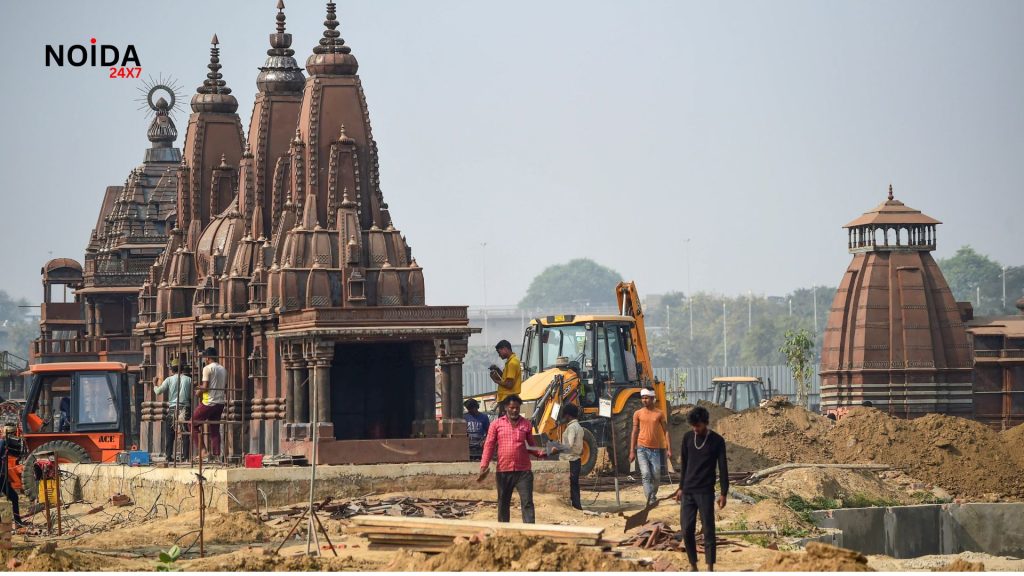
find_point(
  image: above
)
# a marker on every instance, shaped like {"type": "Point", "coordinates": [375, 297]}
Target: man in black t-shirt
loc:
{"type": "Point", "coordinates": [701, 452]}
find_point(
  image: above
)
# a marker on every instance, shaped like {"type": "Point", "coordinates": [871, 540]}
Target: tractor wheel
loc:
{"type": "Point", "coordinates": [622, 428]}
{"type": "Point", "coordinates": [589, 457]}
{"type": "Point", "coordinates": [66, 452]}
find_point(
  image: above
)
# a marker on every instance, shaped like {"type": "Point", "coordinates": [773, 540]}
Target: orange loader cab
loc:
{"type": "Point", "coordinates": [78, 410]}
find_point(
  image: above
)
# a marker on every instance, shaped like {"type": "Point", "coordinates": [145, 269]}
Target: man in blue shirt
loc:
{"type": "Point", "coordinates": [179, 397]}
{"type": "Point", "coordinates": [477, 424]}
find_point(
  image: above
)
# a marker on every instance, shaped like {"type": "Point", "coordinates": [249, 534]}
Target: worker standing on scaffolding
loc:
{"type": "Point", "coordinates": [211, 403]}
{"type": "Point", "coordinates": [179, 400]}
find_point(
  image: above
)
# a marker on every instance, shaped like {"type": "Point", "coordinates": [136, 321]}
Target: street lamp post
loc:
{"type": "Point", "coordinates": [689, 294]}
{"type": "Point", "coordinates": [483, 248]}
{"type": "Point", "coordinates": [725, 339]}
{"type": "Point", "coordinates": [1004, 288]}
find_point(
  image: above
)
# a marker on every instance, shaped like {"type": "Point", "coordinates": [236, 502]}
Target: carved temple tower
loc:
{"type": "Point", "coordinates": [301, 279]}
{"type": "Point", "coordinates": [895, 335]}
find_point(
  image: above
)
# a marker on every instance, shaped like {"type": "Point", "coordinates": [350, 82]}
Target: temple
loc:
{"type": "Point", "coordinates": [895, 335]}
{"type": "Point", "coordinates": [284, 256]}
{"type": "Point", "coordinates": [279, 250]}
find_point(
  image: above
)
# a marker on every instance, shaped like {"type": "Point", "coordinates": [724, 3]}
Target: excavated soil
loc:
{"type": "Point", "coordinates": [518, 553]}
{"type": "Point", "coordinates": [961, 565]}
{"type": "Point", "coordinates": [49, 558]}
{"type": "Point", "coordinates": [775, 433]}
{"type": "Point", "coordinates": [262, 560]}
{"type": "Point", "coordinates": [1013, 440]}
{"type": "Point", "coordinates": [965, 457]}
{"type": "Point", "coordinates": [772, 515]}
{"type": "Point", "coordinates": [829, 483]}
{"type": "Point", "coordinates": [221, 528]}
{"type": "Point", "coordinates": [818, 557]}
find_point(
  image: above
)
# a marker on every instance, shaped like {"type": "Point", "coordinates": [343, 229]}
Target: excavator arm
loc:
{"type": "Point", "coordinates": [628, 301]}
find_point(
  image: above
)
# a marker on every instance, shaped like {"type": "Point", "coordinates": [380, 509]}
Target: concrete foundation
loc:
{"type": "Point", "coordinates": [912, 531]}
{"type": "Point", "coordinates": [233, 489]}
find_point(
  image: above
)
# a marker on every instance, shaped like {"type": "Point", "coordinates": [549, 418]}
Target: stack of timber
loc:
{"type": "Point", "coordinates": [436, 534]}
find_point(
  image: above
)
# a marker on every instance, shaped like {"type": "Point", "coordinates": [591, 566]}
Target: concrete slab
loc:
{"type": "Point", "coordinates": [912, 531]}
{"type": "Point", "coordinates": [863, 529]}
{"type": "Point", "coordinates": [996, 529]}
{"type": "Point", "coordinates": [232, 489]}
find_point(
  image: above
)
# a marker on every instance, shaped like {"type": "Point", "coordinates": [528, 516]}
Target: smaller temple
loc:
{"type": "Point", "coordinates": [998, 344]}
{"type": "Point", "coordinates": [95, 321]}
{"type": "Point", "coordinates": [895, 335]}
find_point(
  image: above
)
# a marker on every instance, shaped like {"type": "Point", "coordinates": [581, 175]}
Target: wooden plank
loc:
{"type": "Point", "coordinates": [445, 524]}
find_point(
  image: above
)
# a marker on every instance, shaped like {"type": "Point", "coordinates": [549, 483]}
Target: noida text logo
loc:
{"type": "Point", "coordinates": [120, 62]}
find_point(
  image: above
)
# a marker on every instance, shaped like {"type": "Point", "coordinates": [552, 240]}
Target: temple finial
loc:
{"type": "Point", "coordinates": [890, 191]}
{"type": "Point", "coordinates": [331, 56]}
{"type": "Point", "coordinates": [214, 40]}
{"type": "Point", "coordinates": [280, 16]}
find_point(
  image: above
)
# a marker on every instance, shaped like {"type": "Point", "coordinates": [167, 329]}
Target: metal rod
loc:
{"type": "Point", "coordinates": [56, 469]}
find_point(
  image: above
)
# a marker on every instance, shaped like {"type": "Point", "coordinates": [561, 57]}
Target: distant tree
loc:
{"type": "Point", "coordinates": [11, 309]}
{"type": "Point", "coordinates": [576, 283]}
{"type": "Point", "coordinates": [970, 274]}
{"type": "Point", "coordinates": [797, 350]}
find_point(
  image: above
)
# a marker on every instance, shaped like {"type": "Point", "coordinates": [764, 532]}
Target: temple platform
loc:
{"type": "Point", "coordinates": [238, 489]}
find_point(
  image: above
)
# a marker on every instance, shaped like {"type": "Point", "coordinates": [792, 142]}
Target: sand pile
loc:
{"type": "Point", "coordinates": [221, 528]}
{"type": "Point", "coordinates": [513, 553]}
{"type": "Point", "coordinates": [961, 565]}
{"type": "Point", "coordinates": [263, 560]}
{"type": "Point", "coordinates": [1013, 441]}
{"type": "Point", "coordinates": [965, 457]}
{"type": "Point", "coordinates": [772, 515]}
{"type": "Point", "coordinates": [48, 558]}
{"type": "Point", "coordinates": [775, 433]}
{"type": "Point", "coordinates": [829, 483]}
{"type": "Point", "coordinates": [818, 557]}
{"type": "Point", "coordinates": [677, 424]}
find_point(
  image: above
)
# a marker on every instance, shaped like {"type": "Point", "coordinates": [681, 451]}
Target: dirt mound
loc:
{"type": "Point", "coordinates": [1013, 441]}
{"type": "Point", "coordinates": [961, 565]}
{"type": "Point", "coordinates": [818, 557]}
{"type": "Point", "coordinates": [48, 558]}
{"type": "Point", "coordinates": [263, 560]}
{"type": "Point", "coordinates": [775, 433]}
{"type": "Point", "coordinates": [221, 528]}
{"type": "Point", "coordinates": [965, 457]}
{"type": "Point", "coordinates": [513, 553]}
{"type": "Point", "coordinates": [772, 515]}
{"type": "Point", "coordinates": [831, 484]}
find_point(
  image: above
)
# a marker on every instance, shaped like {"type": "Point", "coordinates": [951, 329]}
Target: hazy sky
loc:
{"type": "Point", "coordinates": [556, 130]}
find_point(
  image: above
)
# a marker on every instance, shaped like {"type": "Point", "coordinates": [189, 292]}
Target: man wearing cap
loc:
{"type": "Point", "coordinates": [477, 424]}
{"type": "Point", "coordinates": [509, 379]}
{"type": "Point", "coordinates": [211, 405]}
{"type": "Point", "coordinates": [649, 438]}
{"type": "Point", "coordinates": [179, 397]}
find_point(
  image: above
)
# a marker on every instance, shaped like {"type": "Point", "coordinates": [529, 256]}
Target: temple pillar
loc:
{"type": "Point", "coordinates": [424, 357]}
{"type": "Point", "coordinates": [319, 369]}
{"type": "Point", "coordinates": [300, 393]}
{"type": "Point", "coordinates": [453, 424]}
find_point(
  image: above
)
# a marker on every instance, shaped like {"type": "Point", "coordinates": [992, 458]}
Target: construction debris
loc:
{"type": "Point", "coordinates": [431, 535]}
{"type": "Point", "coordinates": [408, 506]}
{"type": "Point", "coordinates": [661, 536]}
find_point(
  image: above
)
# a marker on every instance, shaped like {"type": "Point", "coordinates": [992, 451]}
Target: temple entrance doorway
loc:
{"type": "Point", "coordinates": [372, 391]}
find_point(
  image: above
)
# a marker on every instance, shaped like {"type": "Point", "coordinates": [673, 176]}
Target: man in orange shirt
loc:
{"type": "Point", "coordinates": [650, 436]}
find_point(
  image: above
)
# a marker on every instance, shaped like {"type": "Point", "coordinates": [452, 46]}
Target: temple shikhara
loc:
{"type": "Point", "coordinates": [895, 335]}
{"type": "Point", "coordinates": [274, 245]}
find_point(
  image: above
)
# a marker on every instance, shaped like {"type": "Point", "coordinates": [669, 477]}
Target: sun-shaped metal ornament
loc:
{"type": "Point", "coordinates": [151, 87]}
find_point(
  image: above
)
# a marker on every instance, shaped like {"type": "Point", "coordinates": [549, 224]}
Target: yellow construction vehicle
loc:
{"type": "Point", "coordinates": [599, 363]}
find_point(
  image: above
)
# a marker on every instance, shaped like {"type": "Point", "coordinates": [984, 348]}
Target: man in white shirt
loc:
{"type": "Point", "coordinates": [572, 440]}
{"type": "Point", "coordinates": [212, 399]}
{"type": "Point", "coordinates": [179, 397]}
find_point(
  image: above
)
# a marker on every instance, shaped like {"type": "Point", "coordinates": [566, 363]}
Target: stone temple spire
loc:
{"type": "Point", "coordinates": [281, 73]}
{"type": "Point", "coordinates": [331, 56]}
{"type": "Point", "coordinates": [162, 132]}
{"type": "Point", "coordinates": [214, 95]}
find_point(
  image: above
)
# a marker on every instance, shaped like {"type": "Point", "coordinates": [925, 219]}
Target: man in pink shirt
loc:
{"type": "Point", "coordinates": [509, 436]}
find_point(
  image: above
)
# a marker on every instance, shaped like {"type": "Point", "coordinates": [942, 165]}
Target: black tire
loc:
{"type": "Point", "coordinates": [66, 452]}
{"type": "Point", "coordinates": [589, 458]}
{"type": "Point", "coordinates": [622, 428]}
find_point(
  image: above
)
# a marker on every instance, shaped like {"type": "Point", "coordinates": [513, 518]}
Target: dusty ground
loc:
{"type": "Point", "coordinates": [935, 458]}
